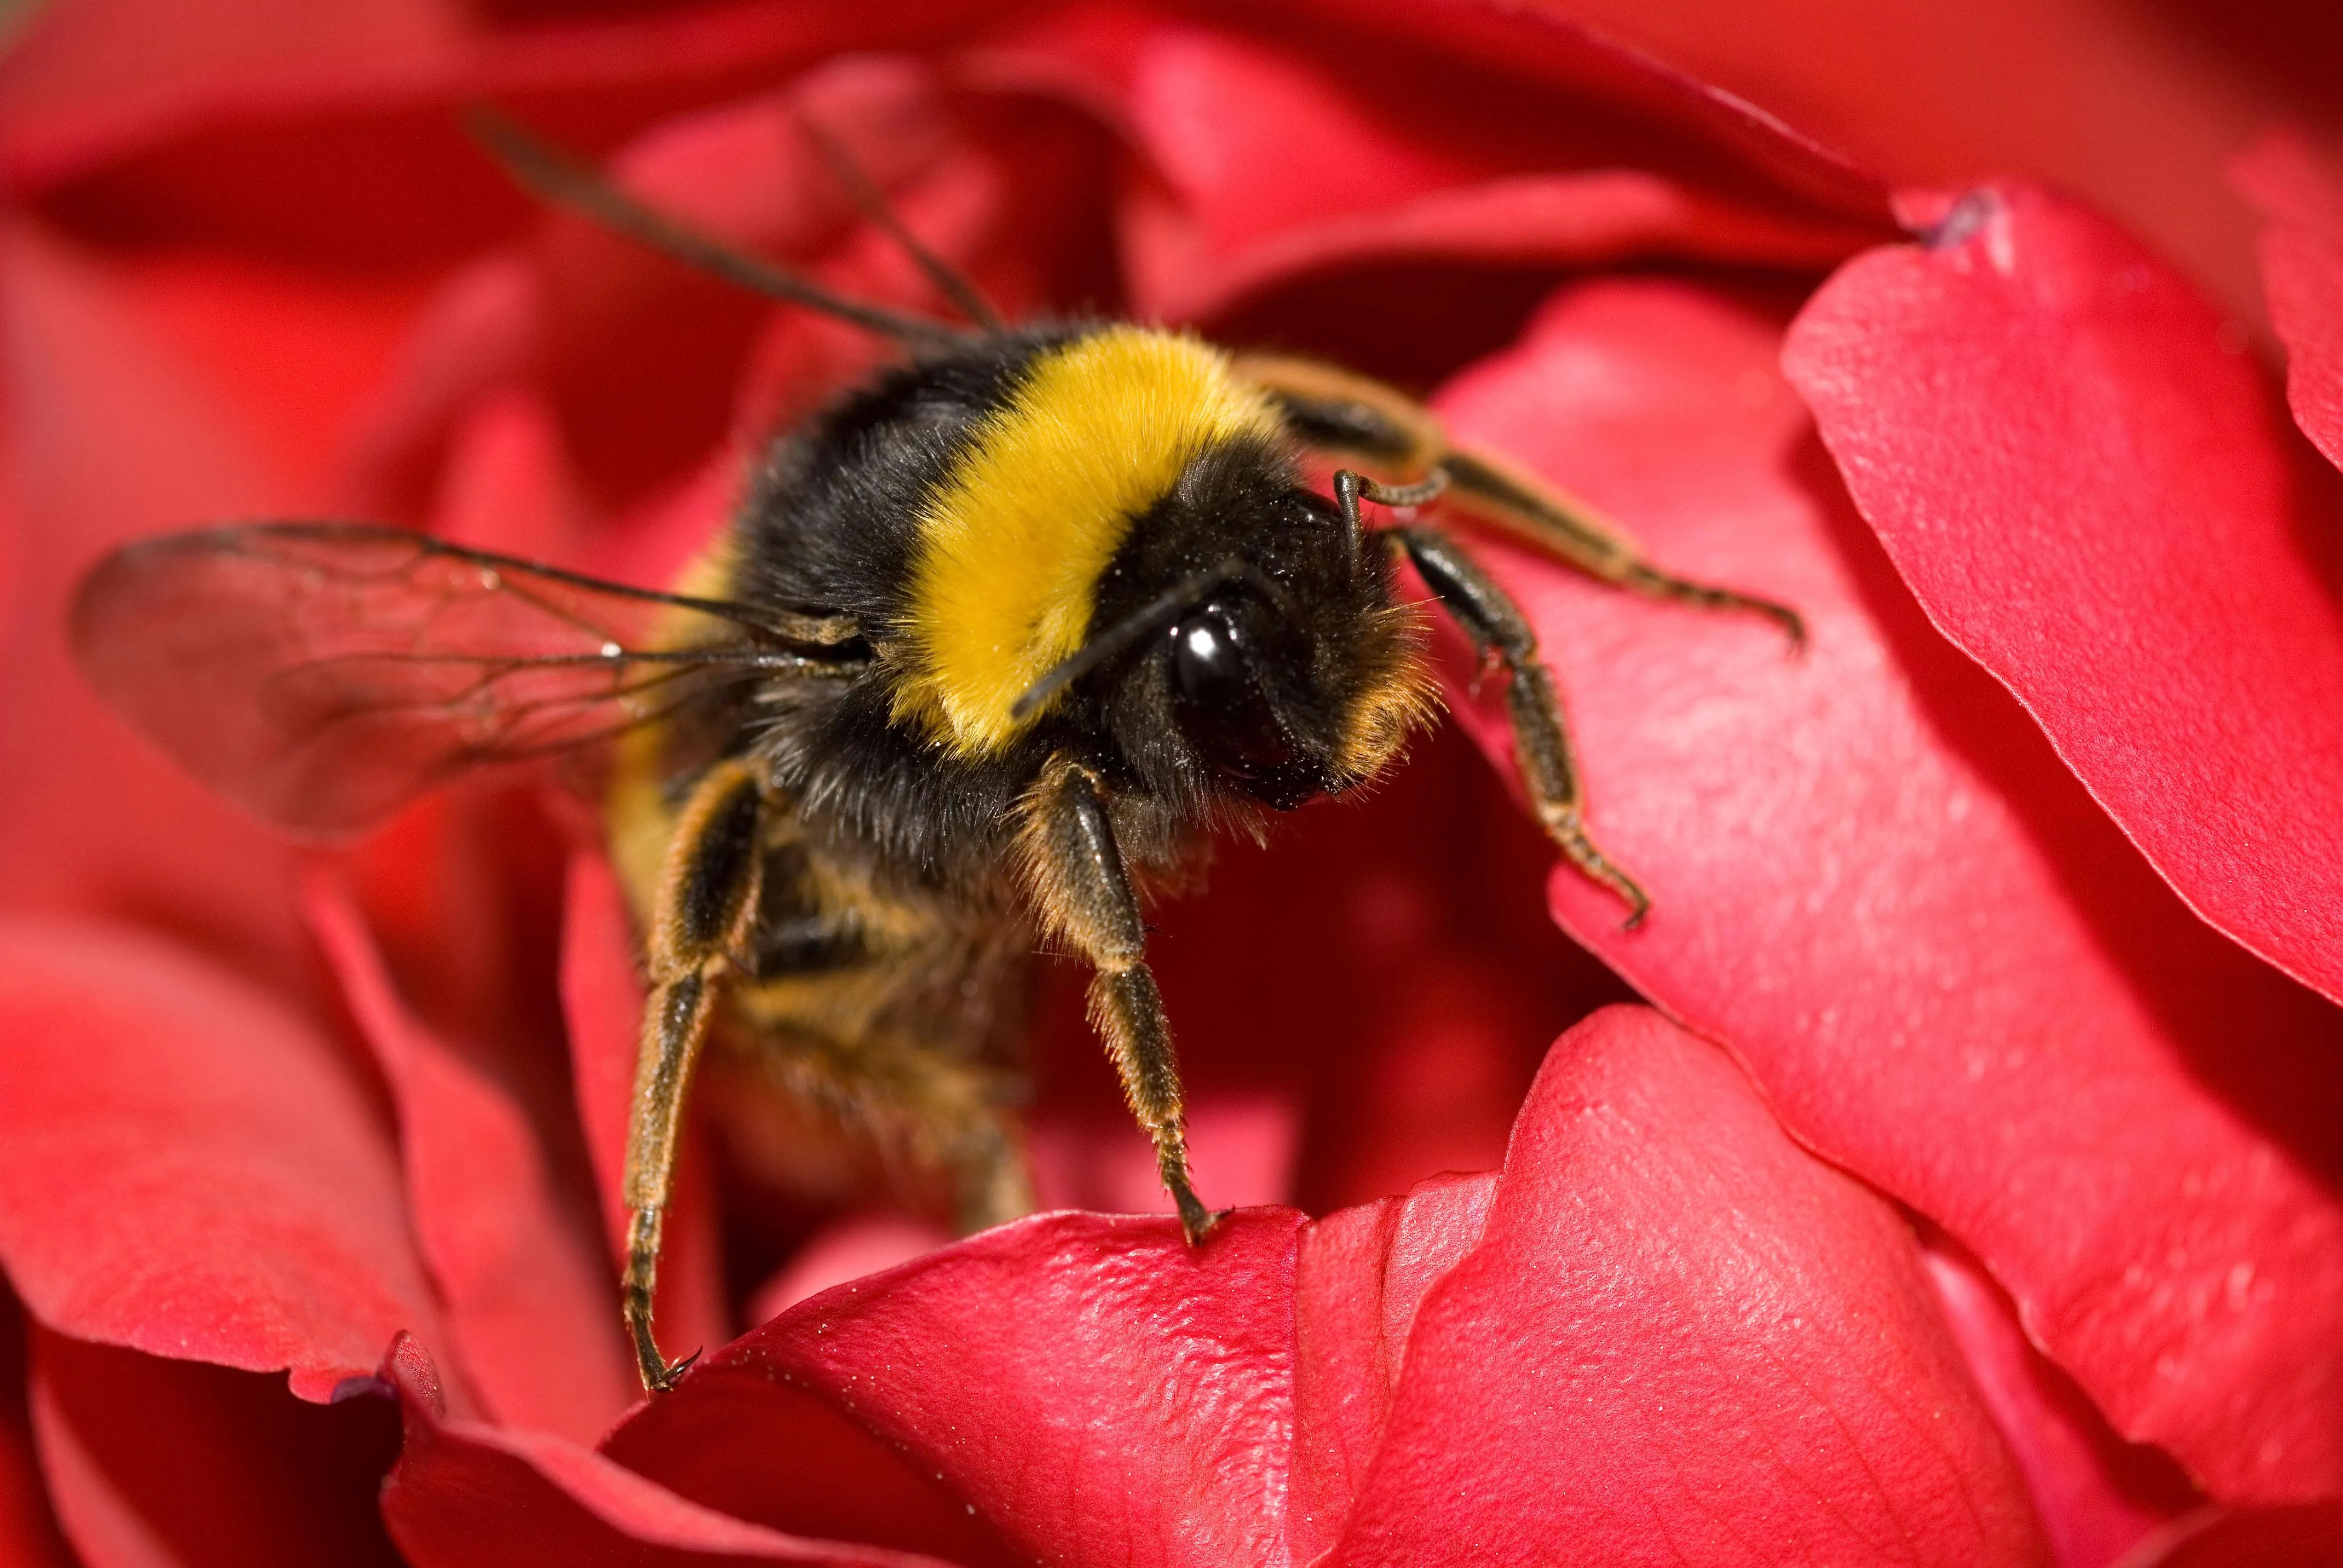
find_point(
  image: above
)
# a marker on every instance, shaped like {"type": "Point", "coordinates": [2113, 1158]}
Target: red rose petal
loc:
{"type": "Point", "coordinates": [254, 149]}
{"type": "Point", "coordinates": [28, 1525]}
{"type": "Point", "coordinates": [603, 1000]}
{"type": "Point", "coordinates": [466, 1495]}
{"type": "Point", "coordinates": [527, 1301]}
{"type": "Point", "coordinates": [617, 311]}
{"type": "Point", "coordinates": [2136, 109]}
{"type": "Point", "coordinates": [1088, 1387]}
{"type": "Point", "coordinates": [2098, 1496]}
{"type": "Point", "coordinates": [2089, 494]}
{"type": "Point", "coordinates": [1405, 47]}
{"type": "Point", "coordinates": [187, 1169]}
{"type": "Point", "coordinates": [593, 313]}
{"type": "Point", "coordinates": [748, 173]}
{"type": "Point", "coordinates": [1358, 1281]}
{"type": "Point", "coordinates": [1278, 160]}
{"type": "Point", "coordinates": [1681, 1339]}
{"type": "Point", "coordinates": [1602, 218]}
{"type": "Point", "coordinates": [1565, 51]}
{"type": "Point", "coordinates": [2310, 1537]}
{"type": "Point", "coordinates": [1246, 1142]}
{"type": "Point", "coordinates": [81, 64]}
{"type": "Point", "coordinates": [461, 892]}
{"type": "Point", "coordinates": [860, 1245]}
{"type": "Point", "coordinates": [143, 398]}
{"type": "Point", "coordinates": [658, 542]}
{"type": "Point", "coordinates": [506, 486]}
{"type": "Point", "coordinates": [1003, 189]}
{"type": "Point", "coordinates": [479, 330]}
{"type": "Point", "coordinates": [157, 1464]}
{"type": "Point", "coordinates": [2301, 203]}
{"type": "Point", "coordinates": [1874, 881]}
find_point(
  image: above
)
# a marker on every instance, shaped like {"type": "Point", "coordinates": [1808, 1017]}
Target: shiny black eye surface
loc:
{"type": "Point", "coordinates": [1217, 687]}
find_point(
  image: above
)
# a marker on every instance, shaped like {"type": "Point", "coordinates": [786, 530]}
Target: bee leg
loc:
{"type": "Point", "coordinates": [1343, 415]}
{"type": "Point", "coordinates": [700, 925]}
{"type": "Point", "coordinates": [992, 1183]}
{"type": "Point", "coordinates": [1351, 487]}
{"type": "Point", "coordinates": [1085, 897]}
{"type": "Point", "coordinates": [1570, 530]}
{"type": "Point", "coordinates": [1489, 616]}
{"type": "Point", "coordinates": [955, 285]}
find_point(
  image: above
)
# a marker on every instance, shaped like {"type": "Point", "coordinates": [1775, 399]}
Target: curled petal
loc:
{"type": "Point", "coordinates": [155, 1463]}
{"type": "Point", "coordinates": [1091, 1391]}
{"type": "Point", "coordinates": [1276, 162]}
{"type": "Point", "coordinates": [189, 1170]}
{"type": "Point", "coordinates": [2090, 495]}
{"type": "Point", "coordinates": [1682, 1339]}
{"type": "Point", "coordinates": [2099, 1495]}
{"type": "Point", "coordinates": [526, 1300]}
{"type": "Point", "coordinates": [469, 1495]}
{"type": "Point", "coordinates": [1087, 1390]}
{"type": "Point", "coordinates": [2301, 202]}
{"type": "Point", "coordinates": [1873, 879]}
{"type": "Point", "coordinates": [1575, 58]}
{"type": "Point", "coordinates": [1361, 1275]}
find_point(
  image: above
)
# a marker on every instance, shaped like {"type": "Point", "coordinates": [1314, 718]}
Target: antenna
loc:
{"type": "Point", "coordinates": [871, 202]}
{"type": "Point", "coordinates": [566, 181]}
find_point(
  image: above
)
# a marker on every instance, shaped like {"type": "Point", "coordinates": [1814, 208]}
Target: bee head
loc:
{"type": "Point", "coordinates": [1270, 661]}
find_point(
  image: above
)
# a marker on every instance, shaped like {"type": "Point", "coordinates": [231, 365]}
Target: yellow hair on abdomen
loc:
{"type": "Point", "coordinates": [1012, 545]}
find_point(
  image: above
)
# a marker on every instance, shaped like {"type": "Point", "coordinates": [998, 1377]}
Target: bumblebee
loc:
{"type": "Point", "coordinates": [989, 650]}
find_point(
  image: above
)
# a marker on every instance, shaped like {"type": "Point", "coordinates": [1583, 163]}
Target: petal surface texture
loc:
{"type": "Point", "coordinates": [189, 1170]}
{"type": "Point", "coordinates": [1663, 1316]}
{"type": "Point", "coordinates": [155, 1463]}
{"type": "Point", "coordinates": [2301, 200]}
{"type": "Point", "coordinates": [1874, 882]}
{"type": "Point", "coordinates": [1084, 1386]}
{"type": "Point", "coordinates": [1682, 1339]}
{"type": "Point", "coordinates": [2093, 497]}
{"type": "Point", "coordinates": [466, 1495]}
{"type": "Point", "coordinates": [526, 1300]}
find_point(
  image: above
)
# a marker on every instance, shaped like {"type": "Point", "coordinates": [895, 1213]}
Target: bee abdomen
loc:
{"type": "Point", "coordinates": [842, 961]}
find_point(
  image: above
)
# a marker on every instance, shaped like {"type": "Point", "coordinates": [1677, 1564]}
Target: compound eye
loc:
{"type": "Point", "coordinates": [1222, 705]}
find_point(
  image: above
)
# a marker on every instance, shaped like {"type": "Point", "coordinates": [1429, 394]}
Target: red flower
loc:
{"type": "Point", "coordinates": [1984, 1203]}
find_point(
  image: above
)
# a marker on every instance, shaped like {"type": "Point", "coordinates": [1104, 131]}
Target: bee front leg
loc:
{"type": "Point", "coordinates": [700, 925]}
{"type": "Point", "coordinates": [1085, 897]}
{"type": "Point", "coordinates": [1489, 616]}
{"type": "Point", "coordinates": [1569, 530]}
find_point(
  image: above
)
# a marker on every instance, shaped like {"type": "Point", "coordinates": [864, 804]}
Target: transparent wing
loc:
{"type": "Point", "coordinates": [323, 674]}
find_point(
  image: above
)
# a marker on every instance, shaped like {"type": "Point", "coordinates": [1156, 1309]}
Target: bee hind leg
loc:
{"type": "Point", "coordinates": [700, 925]}
{"type": "Point", "coordinates": [1549, 771]}
{"type": "Point", "coordinates": [1085, 896]}
{"type": "Point", "coordinates": [991, 1183]}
